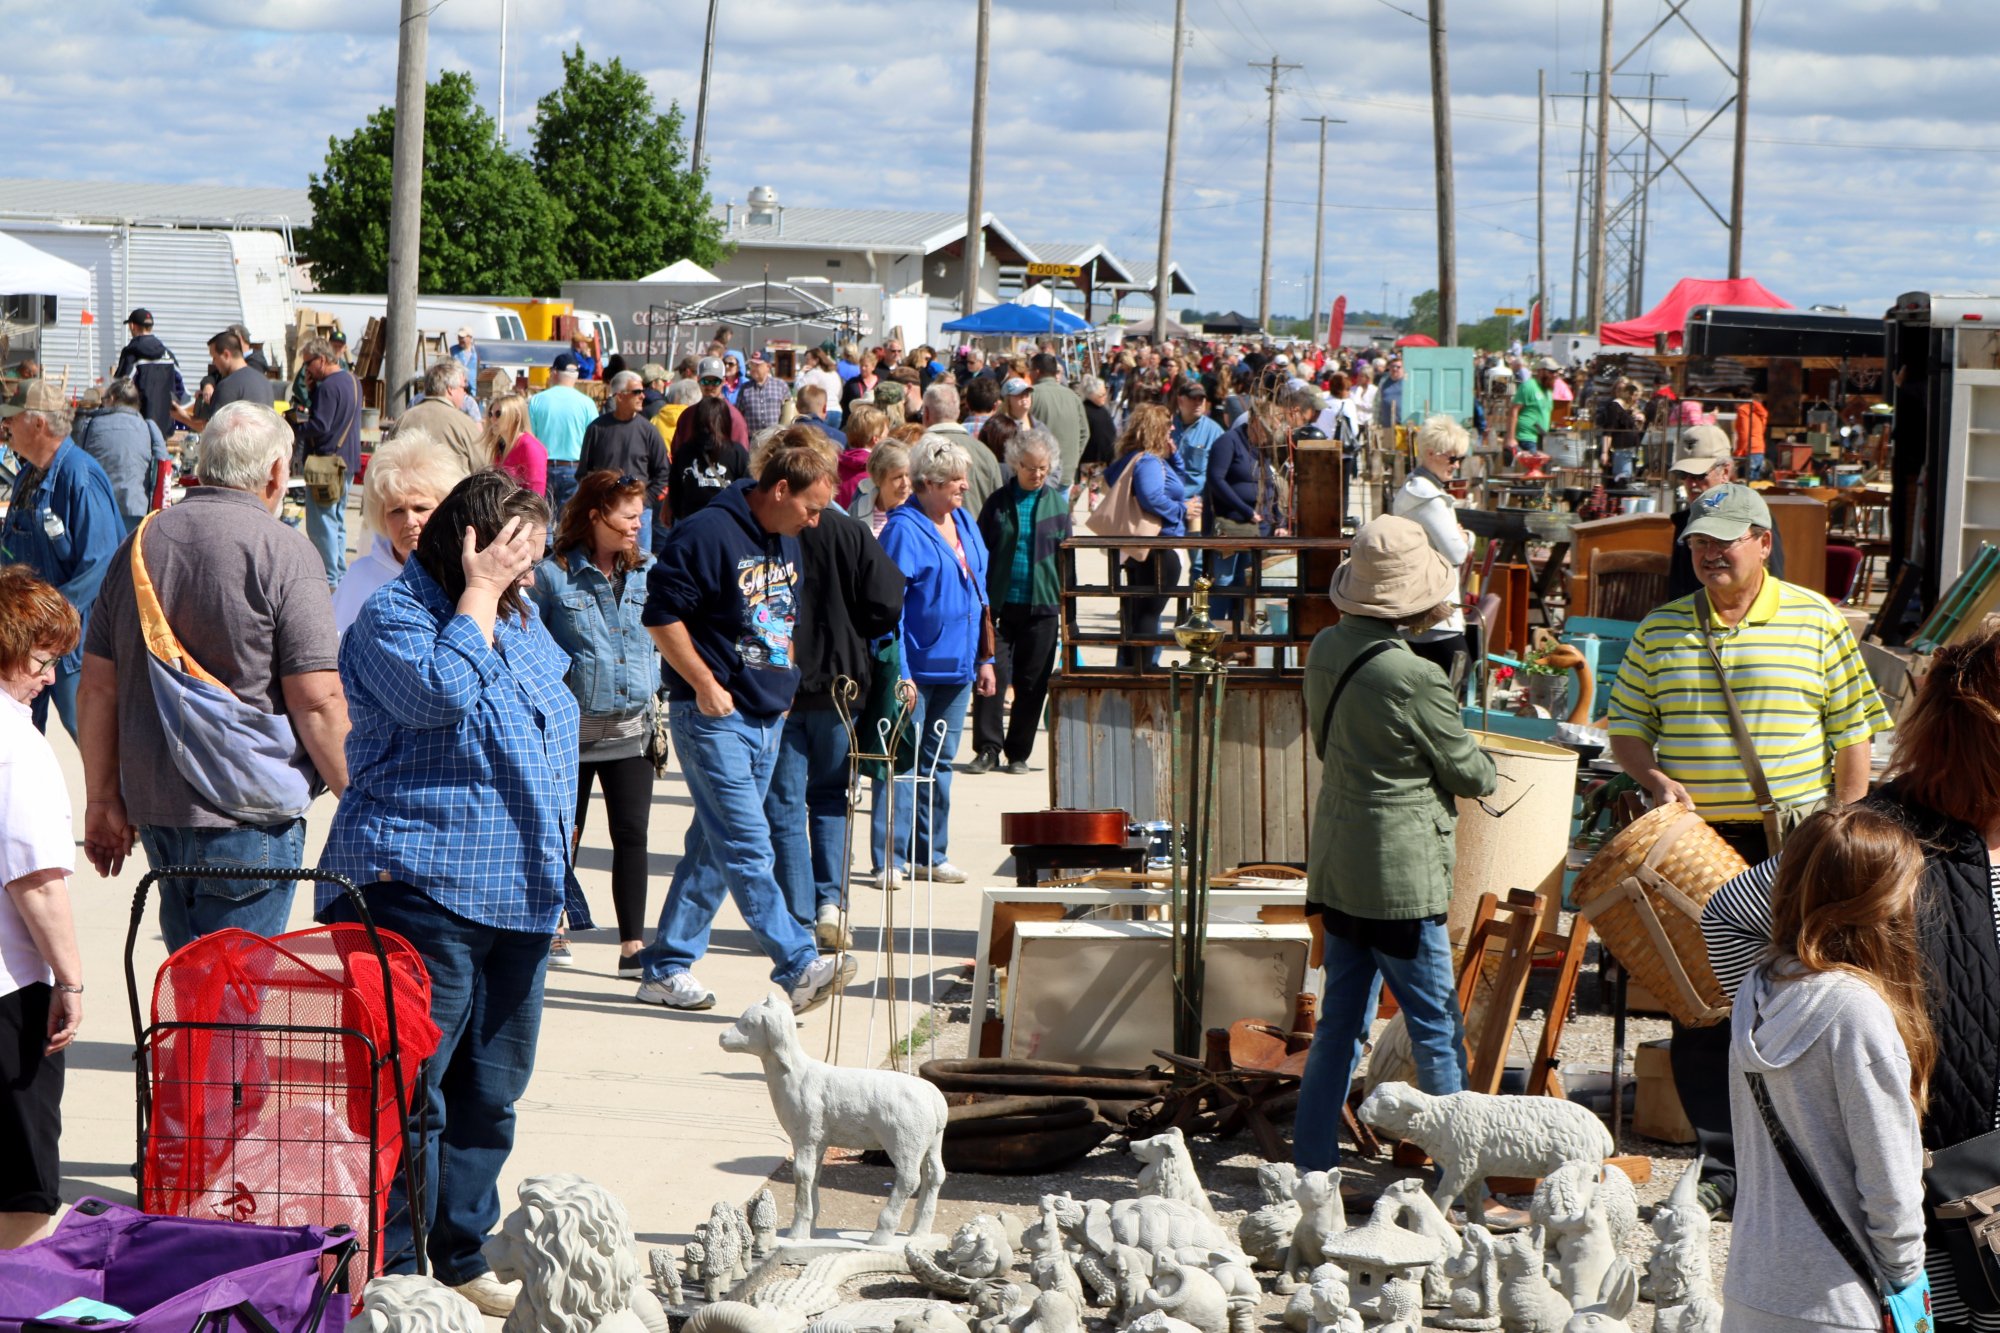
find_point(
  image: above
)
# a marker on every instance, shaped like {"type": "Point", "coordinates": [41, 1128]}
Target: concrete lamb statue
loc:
{"type": "Point", "coordinates": [1472, 1135]}
{"type": "Point", "coordinates": [823, 1106]}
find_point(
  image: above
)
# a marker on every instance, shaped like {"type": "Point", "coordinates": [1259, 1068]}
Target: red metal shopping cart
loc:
{"type": "Point", "coordinates": [276, 1076]}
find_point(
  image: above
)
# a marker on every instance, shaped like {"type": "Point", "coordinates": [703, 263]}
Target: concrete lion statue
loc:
{"type": "Point", "coordinates": [406, 1303]}
{"type": "Point", "coordinates": [570, 1246]}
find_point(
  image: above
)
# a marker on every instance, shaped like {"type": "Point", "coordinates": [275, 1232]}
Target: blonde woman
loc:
{"type": "Point", "coordinates": [514, 448]}
{"type": "Point", "coordinates": [1441, 445]}
{"type": "Point", "coordinates": [407, 478]}
{"type": "Point", "coordinates": [888, 484]}
{"type": "Point", "coordinates": [866, 425]}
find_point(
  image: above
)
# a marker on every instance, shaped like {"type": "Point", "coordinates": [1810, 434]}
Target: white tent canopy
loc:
{"type": "Point", "coordinates": [1041, 295]}
{"type": "Point", "coordinates": [681, 270]}
{"type": "Point", "coordinates": [26, 271]}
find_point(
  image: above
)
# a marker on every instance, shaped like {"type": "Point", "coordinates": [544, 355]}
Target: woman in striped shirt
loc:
{"type": "Point", "coordinates": [1944, 785]}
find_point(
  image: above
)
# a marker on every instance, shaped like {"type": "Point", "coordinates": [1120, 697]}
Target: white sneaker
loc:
{"type": "Point", "coordinates": [678, 990]}
{"type": "Point", "coordinates": [944, 872]}
{"type": "Point", "coordinates": [827, 932]}
{"type": "Point", "coordinates": [489, 1295]}
{"type": "Point", "coordinates": [822, 977]}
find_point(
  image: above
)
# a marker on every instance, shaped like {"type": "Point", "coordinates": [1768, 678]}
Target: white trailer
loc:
{"type": "Point", "coordinates": [1944, 365]}
{"type": "Point", "coordinates": [195, 280]}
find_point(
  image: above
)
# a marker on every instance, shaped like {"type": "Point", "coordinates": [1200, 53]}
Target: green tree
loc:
{"type": "Point", "coordinates": [488, 225]}
{"type": "Point", "coordinates": [1423, 316]}
{"type": "Point", "coordinates": [621, 168]}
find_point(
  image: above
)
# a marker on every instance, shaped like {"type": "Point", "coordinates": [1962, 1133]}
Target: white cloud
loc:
{"type": "Point", "coordinates": [865, 103]}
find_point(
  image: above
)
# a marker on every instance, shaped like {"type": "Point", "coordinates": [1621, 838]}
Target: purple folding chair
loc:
{"type": "Point", "coordinates": [177, 1275]}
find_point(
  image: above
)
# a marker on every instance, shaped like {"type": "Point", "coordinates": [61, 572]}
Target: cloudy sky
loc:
{"type": "Point", "coordinates": [1872, 171]}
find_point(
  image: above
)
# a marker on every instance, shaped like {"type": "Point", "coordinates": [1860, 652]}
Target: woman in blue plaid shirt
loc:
{"type": "Point", "coordinates": [456, 822]}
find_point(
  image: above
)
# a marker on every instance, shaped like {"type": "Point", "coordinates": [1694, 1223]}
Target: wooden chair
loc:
{"type": "Point", "coordinates": [1625, 585]}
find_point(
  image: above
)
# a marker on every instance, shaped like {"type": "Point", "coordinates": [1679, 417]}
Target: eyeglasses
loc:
{"type": "Point", "coordinates": [708, 381]}
{"type": "Point", "coordinates": [1709, 546]}
{"type": "Point", "coordinates": [37, 665]}
{"type": "Point", "coordinates": [627, 393]}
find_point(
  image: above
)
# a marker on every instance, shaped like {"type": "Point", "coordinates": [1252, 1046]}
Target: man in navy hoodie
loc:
{"type": "Point", "coordinates": [721, 603]}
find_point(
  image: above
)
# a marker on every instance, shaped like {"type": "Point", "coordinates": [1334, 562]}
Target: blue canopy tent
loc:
{"type": "Point", "coordinates": [1011, 319]}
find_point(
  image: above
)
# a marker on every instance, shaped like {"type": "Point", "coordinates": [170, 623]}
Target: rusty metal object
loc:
{"type": "Point", "coordinates": [1117, 1092]}
{"type": "Point", "coordinates": [1001, 1135]}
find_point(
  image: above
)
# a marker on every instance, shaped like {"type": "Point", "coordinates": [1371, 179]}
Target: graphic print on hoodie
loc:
{"type": "Point", "coordinates": [770, 609]}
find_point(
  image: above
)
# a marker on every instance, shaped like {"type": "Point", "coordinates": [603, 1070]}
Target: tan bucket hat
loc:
{"type": "Point", "coordinates": [1391, 572]}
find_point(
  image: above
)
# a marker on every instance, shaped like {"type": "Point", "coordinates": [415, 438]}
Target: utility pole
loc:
{"type": "Point", "coordinates": [1447, 210]}
{"type": "Point", "coordinates": [1541, 199]}
{"type": "Point", "coordinates": [1597, 203]}
{"type": "Point", "coordinates": [503, 73]}
{"type": "Point", "coordinates": [406, 203]}
{"type": "Point", "coordinates": [1576, 225]}
{"type": "Point", "coordinates": [975, 195]}
{"type": "Point", "coordinates": [1270, 175]}
{"type": "Point", "coordinates": [1742, 143]}
{"type": "Point", "coordinates": [1319, 214]}
{"type": "Point", "coordinates": [1162, 282]}
{"type": "Point", "coordinates": [701, 101]}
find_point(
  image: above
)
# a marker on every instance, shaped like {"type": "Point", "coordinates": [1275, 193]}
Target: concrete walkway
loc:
{"type": "Point", "coordinates": [638, 1098]}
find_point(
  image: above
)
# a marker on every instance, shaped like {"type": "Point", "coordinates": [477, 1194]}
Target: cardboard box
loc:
{"type": "Point", "coordinates": [1656, 1111]}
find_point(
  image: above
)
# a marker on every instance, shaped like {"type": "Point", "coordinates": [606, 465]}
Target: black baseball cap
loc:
{"type": "Point", "coordinates": [142, 317]}
{"type": "Point", "coordinates": [1191, 388]}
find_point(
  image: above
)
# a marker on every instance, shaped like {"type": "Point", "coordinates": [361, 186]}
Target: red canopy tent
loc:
{"type": "Point", "coordinates": [1670, 315]}
{"type": "Point", "coordinates": [1416, 340]}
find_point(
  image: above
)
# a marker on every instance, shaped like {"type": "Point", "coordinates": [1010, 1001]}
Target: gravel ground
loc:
{"type": "Point", "coordinates": [851, 1191]}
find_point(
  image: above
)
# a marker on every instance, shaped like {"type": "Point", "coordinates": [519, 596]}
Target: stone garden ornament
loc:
{"type": "Point", "coordinates": [1169, 1171]}
{"type": "Point", "coordinates": [1383, 1264]}
{"type": "Point", "coordinates": [1677, 1275]}
{"type": "Point", "coordinates": [1408, 1207]}
{"type": "Point", "coordinates": [1266, 1234]}
{"type": "Point", "coordinates": [1586, 1209]}
{"type": "Point", "coordinates": [570, 1247]}
{"type": "Point", "coordinates": [406, 1303]}
{"type": "Point", "coordinates": [824, 1106]}
{"type": "Point", "coordinates": [1471, 1135]}
{"type": "Point", "coordinates": [1474, 1303]}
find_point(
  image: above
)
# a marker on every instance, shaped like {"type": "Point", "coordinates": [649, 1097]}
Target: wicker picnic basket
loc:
{"type": "Point", "coordinates": [1643, 893]}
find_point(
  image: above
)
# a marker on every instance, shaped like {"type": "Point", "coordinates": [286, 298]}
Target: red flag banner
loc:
{"type": "Point", "coordinates": [1535, 322]}
{"type": "Point", "coordinates": [1337, 323]}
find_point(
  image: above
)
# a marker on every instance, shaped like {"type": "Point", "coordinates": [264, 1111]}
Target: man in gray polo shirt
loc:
{"type": "Point", "coordinates": [246, 596]}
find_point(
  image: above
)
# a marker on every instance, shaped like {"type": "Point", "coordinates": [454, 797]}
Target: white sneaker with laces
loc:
{"type": "Point", "coordinates": [822, 977]}
{"type": "Point", "coordinates": [677, 990]}
{"type": "Point", "coordinates": [944, 872]}
{"type": "Point", "coordinates": [489, 1295]}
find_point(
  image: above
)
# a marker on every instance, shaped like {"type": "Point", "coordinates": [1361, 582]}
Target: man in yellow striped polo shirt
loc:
{"type": "Point", "coordinates": [1807, 703]}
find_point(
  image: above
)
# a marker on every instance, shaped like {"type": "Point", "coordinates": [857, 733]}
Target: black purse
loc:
{"type": "Point", "coordinates": [1962, 1200]}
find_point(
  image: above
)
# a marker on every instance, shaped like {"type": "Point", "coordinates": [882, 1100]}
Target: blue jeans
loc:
{"type": "Point", "coordinates": [562, 485]}
{"type": "Point", "coordinates": [1426, 989]}
{"type": "Point", "coordinates": [931, 819]}
{"type": "Point", "coordinates": [486, 998]}
{"type": "Point", "coordinates": [807, 808]}
{"type": "Point", "coordinates": [63, 693]}
{"type": "Point", "coordinates": [727, 762]}
{"type": "Point", "coordinates": [326, 528]}
{"type": "Point", "coordinates": [191, 908]}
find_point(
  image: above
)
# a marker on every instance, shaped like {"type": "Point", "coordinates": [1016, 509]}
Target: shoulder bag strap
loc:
{"type": "Point", "coordinates": [1809, 1191]}
{"type": "Point", "coordinates": [1745, 751]}
{"type": "Point", "coordinates": [1366, 656]}
{"type": "Point", "coordinates": [159, 636]}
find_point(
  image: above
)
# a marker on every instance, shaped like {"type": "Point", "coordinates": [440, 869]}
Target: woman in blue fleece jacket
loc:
{"type": "Point", "coordinates": [947, 647]}
{"type": "Point", "coordinates": [1147, 445]}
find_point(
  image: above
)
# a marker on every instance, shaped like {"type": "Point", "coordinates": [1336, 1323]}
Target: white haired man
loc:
{"type": "Point", "coordinates": [245, 595]}
{"type": "Point", "coordinates": [441, 415]}
{"type": "Point", "coordinates": [984, 476]}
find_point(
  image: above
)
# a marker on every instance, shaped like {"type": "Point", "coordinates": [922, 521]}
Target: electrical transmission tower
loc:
{"type": "Point", "coordinates": [1629, 171]}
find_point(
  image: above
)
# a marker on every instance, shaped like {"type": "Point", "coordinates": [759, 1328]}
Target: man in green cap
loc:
{"type": "Point", "coordinates": [1808, 710]}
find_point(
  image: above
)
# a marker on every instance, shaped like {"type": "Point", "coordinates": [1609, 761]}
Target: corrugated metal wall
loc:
{"type": "Point", "coordinates": [1111, 748]}
{"type": "Point", "coordinates": [188, 280]}
{"type": "Point", "coordinates": [70, 344]}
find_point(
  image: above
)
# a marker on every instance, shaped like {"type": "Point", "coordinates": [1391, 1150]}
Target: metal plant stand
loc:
{"type": "Point", "coordinates": [1197, 690]}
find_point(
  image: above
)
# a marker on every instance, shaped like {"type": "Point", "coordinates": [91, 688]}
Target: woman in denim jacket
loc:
{"type": "Point", "coordinates": [589, 593]}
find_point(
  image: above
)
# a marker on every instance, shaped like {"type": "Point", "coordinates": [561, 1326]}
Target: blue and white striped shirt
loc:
{"type": "Point", "coordinates": [462, 760]}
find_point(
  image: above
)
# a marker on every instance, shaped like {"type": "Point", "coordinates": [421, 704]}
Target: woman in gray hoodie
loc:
{"type": "Point", "coordinates": [1834, 1025]}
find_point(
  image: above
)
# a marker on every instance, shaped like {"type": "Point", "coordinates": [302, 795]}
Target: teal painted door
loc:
{"type": "Point", "coordinates": [1437, 379]}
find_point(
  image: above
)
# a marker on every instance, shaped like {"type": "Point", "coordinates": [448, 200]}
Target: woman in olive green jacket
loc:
{"type": "Point", "coordinates": [1387, 729]}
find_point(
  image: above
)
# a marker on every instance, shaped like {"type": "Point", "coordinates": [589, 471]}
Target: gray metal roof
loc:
{"type": "Point", "coordinates": [1142, 271]}
{"type": "Point", "coordinates": [1110, 266]}
{"type": "Point", "coordinates": [891, 231]}
{"type": "Point", "coordinates": [125, 201]}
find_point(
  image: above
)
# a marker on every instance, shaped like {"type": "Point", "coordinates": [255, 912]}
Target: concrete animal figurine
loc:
{"type": "Point", "coordinates": [1131, 1271]}
{"type": "Point", "coordinates": [1298, 1314]}
{"type": "Point", "coordinates": [763, 1226]}
{"type": "Point", "coordinates": [736, 1317]}
{"type": "Point", "coordinates": [1321, 1218]}
{"type": "Point", "coordinates": [570, 1247]}
{"type": "Point", "coordinates": [1529, 1303]}
{"type": "Point", "coordinates": [823, 1106]}
{"type": "Point", "coordinates": [1158, 1322]}
{"type": "Point", "coordinates": [1190, 1295]}
{"type": "Point", "coordinates": [1331, 1311]}
{"type": "Point", "coordinates": [1471, 1136]}
{"type": "Point", "coordinates": [1169, 1171]}
{"type": "Point", "coordinates": [1588, 1210]}
{"type": "Point", "coordinates": [666, 1275]}
{"type": "Point", "coordinates": [1053, 1271]}
{"type": "Point", "coordinates": [980, 1248]}
{"type": "Point", "coordinates": [1152, 1224]}
{"type": "Point", "coordinates": [934, 1319]}
{"type": "Point", "coordinates": [1677, 1274]}
{"type": "Point", "coordinates": [1266, 1234]}
{"type": "Point", "coordinates": [1239, 1286]}
{"type": "Point", "coordinates": [406, 1303]}
{"type": "Point", "coordinates": [1607, 1317]}
{"type": "Point", "coordinates": [817, 1287]}
{"type": "Point", "coordinates": [999, 1309]}
{"type": "Point", "coordinates": [1414, 1211]}
{"type": "Point", "coordinates": [1474, 1304]}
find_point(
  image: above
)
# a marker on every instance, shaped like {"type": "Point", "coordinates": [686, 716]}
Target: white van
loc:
{"type": "Point", "coordinates": [435, 316]}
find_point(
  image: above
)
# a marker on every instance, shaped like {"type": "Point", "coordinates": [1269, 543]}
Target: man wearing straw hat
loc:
{"type": "Point", "coordinates": [1387, 730]}
{"type": "Point", "coordinates": [1808, 712]}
